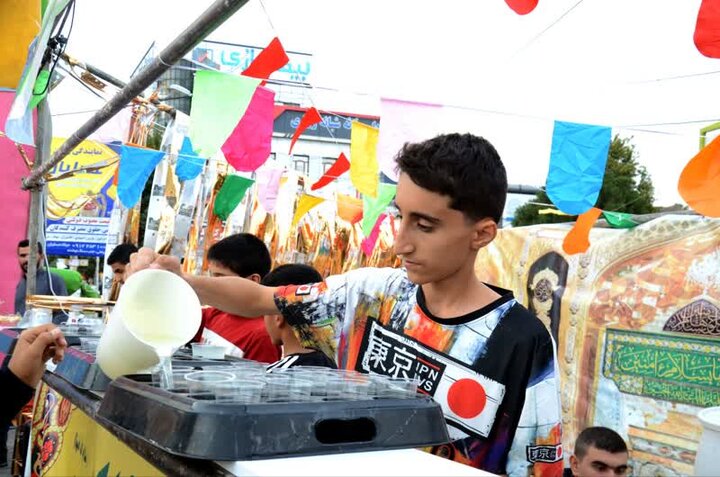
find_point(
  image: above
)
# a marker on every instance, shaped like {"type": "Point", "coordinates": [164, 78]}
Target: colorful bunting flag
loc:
{"type": "Point", "coordinates": [522, 7]}
{"type": "Point", "coordinates": [402, 122]}
{"type": "Point", "coordinates": [619, 220]}
{"type": "Point", "coordinates": [231, 193]}
{"type": "Point", "coordinates": [271, 59]}
{"type": "Point", "coordinates": [699, 182]}
{"type": "Point", "coordinates": [577, 165]}
{"type": "Point", "coordinates": [373, 207]}
{"type": "Point", "coordinates": [135, 167]}
{"type": "Point", "coordinates": [339, 167]}
{"type": "Point", "coordinates": [19, 23]}
{"type": "Point", "coordinates": [707, 29]}
{"type": "Point", "coordinates": [304, 205]}
{"type": "Point", "coordinates": [363, 160]}
{"type": "Point", "coordinates": [219, 101]}
{"type": "Point", "coordinates": [189, 165]}
{"type": "Point", "coordinates": [248, 147]}
{"type": "Point", "coordinates": [551, 211]}
{"type": "Point", "coordinates": [268, 181]}
{"type": "Point", "coordinates": [368, 244]}
{"type": "Point", "coordinates": [311, 116]}
{"type": "Point", "coordinates": [578, 239]}
{"type": "Point", "coordinates": [349, 208]}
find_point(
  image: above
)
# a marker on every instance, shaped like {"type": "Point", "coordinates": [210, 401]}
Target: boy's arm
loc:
{"type": "Point", "coordinates": [235, 295]}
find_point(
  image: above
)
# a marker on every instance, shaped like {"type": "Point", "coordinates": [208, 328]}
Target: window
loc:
{"type": "Point", "coordinates": [273, 156]}
{"type": "Point", "coordinates": [301, 164]}
{"type": "Point", "coordinates": [327, 163]}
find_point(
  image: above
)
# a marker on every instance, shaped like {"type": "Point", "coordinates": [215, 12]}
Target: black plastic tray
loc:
{"type": "Point", "coordinates": [221, 431]}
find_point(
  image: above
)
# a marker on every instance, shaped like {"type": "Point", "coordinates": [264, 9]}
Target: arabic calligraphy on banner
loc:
{"type": "Point", "coordinates": [332, 127]}
{"type": "Point", "coordinates": [79, 205]}
{"type": "Point", "coordinates": [684, 369]}
{"type": "Point", "coordinates": [236, 58]}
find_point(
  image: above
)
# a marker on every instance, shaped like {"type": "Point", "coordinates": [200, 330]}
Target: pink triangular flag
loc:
{"type": "Point", "coordinates": [268, 184]}
{"type": "Point", "coordinates": [368, 245]}
{"type": "Point", "coordinates": [248, 147]}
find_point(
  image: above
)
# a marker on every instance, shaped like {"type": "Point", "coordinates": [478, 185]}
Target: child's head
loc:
{"type": "Point", "coordinates": [451, 195]}
{"type": "Point", "coordinates": [290, 274]}
{"type": "Point", "coordinates": [599, 451]}
{"type": "Point", "coordinates": [239, 255]}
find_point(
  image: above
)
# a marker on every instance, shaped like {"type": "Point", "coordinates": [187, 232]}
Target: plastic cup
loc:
{"type": "Point", "coordinates": [202, 382]}
{"type": "Point", "coordinates": [245, 391]}
{"type": "Point", "coordinates": [277, 387]}
{"type": "Point", "coordinates": [394, 388]}
{"type": "Point", "coordinates": [300, 390]}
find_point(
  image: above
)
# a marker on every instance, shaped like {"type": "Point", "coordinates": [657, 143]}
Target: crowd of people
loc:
{"type": "Point", "coordinates": [498, 384]}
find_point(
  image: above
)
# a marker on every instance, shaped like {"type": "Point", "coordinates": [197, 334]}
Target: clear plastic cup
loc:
{"type": "Point", "coordinates": [202, 382]}
{"type": "Point", "coordinates": [395, 388]}
{"type": "Point", "coordinates": [300, 390]}
{"type": "Point", "coordinates": [178, 374]}
{"type": "Point", "coordinates": [239, 391]}
{"type": "Point", "coordinates": [277, 387]}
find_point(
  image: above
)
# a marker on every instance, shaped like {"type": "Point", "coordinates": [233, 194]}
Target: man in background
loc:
{"type": "Point", "coordinates": [118, 259]}
{"type": "Point", "coordinates": [599, 452]}
{"type": "Point", "coordinates": [47, 283]}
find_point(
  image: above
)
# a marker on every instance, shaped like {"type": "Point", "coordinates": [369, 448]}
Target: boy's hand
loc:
{"type": "Point", "coordinates": [34, 347]}
{"type": "Point", "coordinates": [147, 258]}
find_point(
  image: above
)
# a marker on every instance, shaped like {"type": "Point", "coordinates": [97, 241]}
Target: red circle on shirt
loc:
{"type": "Point", "coordinates": [466, 398]}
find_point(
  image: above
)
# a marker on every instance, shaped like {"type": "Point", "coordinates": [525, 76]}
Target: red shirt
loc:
{"type": "Point", "coordinates": [242, 337]}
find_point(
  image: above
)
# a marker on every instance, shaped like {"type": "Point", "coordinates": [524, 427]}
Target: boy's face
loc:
{"type": "Point", "coordinates": [434, 240]}
{"type": "Point", "coordinates": [599, 463]}
{"type": "Point", "coordinates": [271, 325]}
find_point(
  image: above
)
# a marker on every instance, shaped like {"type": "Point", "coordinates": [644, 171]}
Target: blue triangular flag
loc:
{"type": "Point", "coordinates": [135, 167]}
{"type": "Point", "coordinates": [189, 164]}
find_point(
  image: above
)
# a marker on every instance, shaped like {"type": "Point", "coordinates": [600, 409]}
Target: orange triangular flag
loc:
{"type": "Point", "coordinates": [700, 181]}
{"type": "Point", "coordinates": [349, 208]}
{"type": "Point", "coordinates": [310, 117]}
{"type": "Point", "coordinates": [578, 239]}
{"type": "Point", "coordinates": [339, 167]}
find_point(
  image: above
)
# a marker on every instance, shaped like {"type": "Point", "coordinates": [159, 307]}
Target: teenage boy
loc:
{"type": "Point", "coordinates": [246, 256]}
{"type": "Point", "coordinates": [479, 353]}
{"type": "Point", "coordinates": [281, 333]}
{"type": "Point", "coordinates": [599, 452]}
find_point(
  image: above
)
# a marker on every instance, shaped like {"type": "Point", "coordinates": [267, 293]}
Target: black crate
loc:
{"type": "Point", "coordinates": [223, 431]}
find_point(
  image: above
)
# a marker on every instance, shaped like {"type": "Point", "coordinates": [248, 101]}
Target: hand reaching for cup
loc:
{"type": "Point", "coordinates": [33, 348]}
{"type": "Point", "coordinates": [148, 258]}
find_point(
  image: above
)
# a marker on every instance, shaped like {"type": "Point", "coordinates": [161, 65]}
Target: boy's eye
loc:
{"type": "Point", "coordinates": [424, 227]}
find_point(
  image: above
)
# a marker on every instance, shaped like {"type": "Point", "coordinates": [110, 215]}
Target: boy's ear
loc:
{"type": "Point", "coordinates": [254, 277]}
{"type": "Point", "coordinates": [279, 321]}
{"type": "Point", "coordinates": [484, 232]}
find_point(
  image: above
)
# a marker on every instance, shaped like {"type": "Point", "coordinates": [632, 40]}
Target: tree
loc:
{"type": "Point", "coordinates": [627, 187]}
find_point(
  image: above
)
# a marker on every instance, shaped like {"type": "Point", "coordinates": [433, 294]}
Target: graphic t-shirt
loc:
{"type": "Point", "coordinates": [314, 358]}
{"type": "Point", "coordinates": [493, 371]}
{"type": "Point", "coordinates": [242, 337]}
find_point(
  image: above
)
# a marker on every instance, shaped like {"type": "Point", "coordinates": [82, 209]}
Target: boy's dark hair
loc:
{"type": "Point", "coordinates": [244, 254]}
{"type": "Point", "coordinates": [26, 243]}
{"type": "Point", "coordinates": [121, 254]}
{"type": "Point", "coordinates": [464, 167]}
{"type": "Point", "coordinates": [601, 438]}
{"type": "Point", "coordinates": [292, 274]}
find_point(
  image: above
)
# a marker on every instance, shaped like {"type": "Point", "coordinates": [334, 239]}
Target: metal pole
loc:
{"type": "Point", "coordinates": [213, 17]}
{"type": "Point", "coordinates": [42, 143]}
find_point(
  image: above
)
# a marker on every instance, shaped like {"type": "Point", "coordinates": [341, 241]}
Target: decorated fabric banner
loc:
{"type": "Point", "coordinates": [219, 102]}
{"type": "Point", "coordinates": [707, 29]}
{"type": "Point", "coordinates": [271, 59]}
{"type": "Point", "coordinates": [339, 167]}
{"type": "Point", "coordinates": [403, 121]}
{"type": "Point", "coordinates": [268, 185]}
{"type": "Point", "coordinates": [18, 125]}
{"type": "Point", "coordinates": [231, 193]}
{"type": "Point", "coordinates": [368, 245]}
{"type": "Point", "coordinates": [578, 239]}
{"type": "Point", "coordinates": [248, 147]}
{"type": "Point", "coordinates": [619, 220]}
{"type": "Point", "coordinates": [189, 165]}
{"type": "Point", "coordinates": [522, 7]}
{"type": "Point", "coordinates": [305, 203]}
{"type": "Point", "coordinates": [699, 182]}
{"type": "Point", "coordinates": [136, 164]}
{"type": "Point", "coordinates": [350, 209]}
{"type": "Point", "coordinates": [373, 207]}
{"type": "Point", "coordinates": [311, 116]}
{"type": "Point", "coordinates": [363, 160]}
{"type": "Point", "coordinates": [577, 165]}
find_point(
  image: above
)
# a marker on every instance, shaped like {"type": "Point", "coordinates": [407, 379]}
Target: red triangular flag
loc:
{"type": "Point", "coordinates": [707, 29]}
{"type": "Point", "coordinates": [271, 59]}
{"type": "Point", "coordinates": [341, 166]}
{"type": "Point", "coordinates": [522, 7]}
{"type": "Point", "coordinates": [310, 117]}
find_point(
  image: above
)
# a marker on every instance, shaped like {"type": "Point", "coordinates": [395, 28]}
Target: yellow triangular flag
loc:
{"type": "Point", "coordinates": [551, 211]}
{"type": "Point", "coordinates": [364, 168]}
{"type": "Point", "coordinates": [304, 205]}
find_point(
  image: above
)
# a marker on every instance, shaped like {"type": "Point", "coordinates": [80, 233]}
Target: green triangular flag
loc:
{"type": "Point", "coordinates": [619, 220]}
{"type": "Point", "coordinates": [373, 207]}
{"type": "Point", "coordinates": [40, 89]}
{"type": "Point", "coordinates": [230, 195]}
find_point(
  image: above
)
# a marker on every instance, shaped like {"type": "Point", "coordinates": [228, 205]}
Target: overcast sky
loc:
{"type": "Point", "coordinates": [609, 62]}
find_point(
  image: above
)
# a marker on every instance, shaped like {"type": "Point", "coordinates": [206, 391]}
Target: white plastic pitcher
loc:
{"type": "Point", "coordinates": [160, 310]}
{"type": "Point", "coordinates": [119, 352]}
{"type": "Point", "coordinates": [706, 459]}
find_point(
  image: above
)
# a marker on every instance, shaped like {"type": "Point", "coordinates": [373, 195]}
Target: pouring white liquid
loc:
{"type": "Point", "coordinates": [160, 310]}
